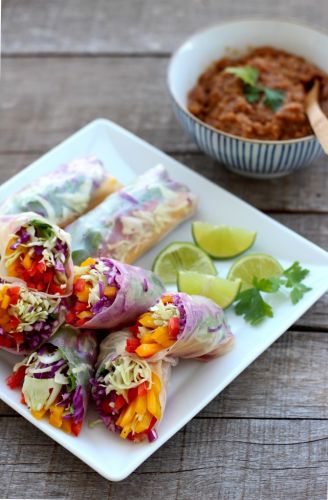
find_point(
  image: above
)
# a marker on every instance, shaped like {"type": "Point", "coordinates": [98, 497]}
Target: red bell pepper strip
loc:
{"type": "Point", "coordinates": [131, 345]}
{"type": "Point", "coordinates": [18, 337]}
{"type": "Point", "coordinates": [119, 402]}
{"type": "Point", "coordinates": [174, 327]}
{"type": "Point", "coordinates": [79, 285]}
{"type": "Point", "coordinates": [76, 428]}
{"type": "Point", "coordinates": [16, 379]}
{"type": "Point", "coordinates": [142, 389]}
{"type": "Point", "coordinates": [132, 393]}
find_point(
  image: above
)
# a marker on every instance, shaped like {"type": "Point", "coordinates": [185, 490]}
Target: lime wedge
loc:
{"type": "Point", "coordinates": [222, 292]}
{"type": "Point", "coordinates": [181, 257]}
{"type": "Point", "coordinates": [259, 265]}
{"type": "Point", "coordinates": [222, 242]}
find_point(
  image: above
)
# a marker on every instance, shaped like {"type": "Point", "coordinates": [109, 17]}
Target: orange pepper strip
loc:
{"type": "Point", "coordinates": [88, 262]}
{"type": "Point", "coordinates": [147, 350]}
{"type": "Point", "coordinates": [38, 414]}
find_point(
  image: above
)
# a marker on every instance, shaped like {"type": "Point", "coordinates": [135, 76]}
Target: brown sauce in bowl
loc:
{"type": "Point", "coordinates": [219, 100]}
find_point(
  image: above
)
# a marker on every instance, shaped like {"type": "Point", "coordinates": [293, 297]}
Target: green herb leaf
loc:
{"type": "Point", "coordinates": [252, 307]}
{"type": "Point", "coordinates": [71, 382]}
{"type": "Point", "coordinates": [292, 278]}
{"type": "Point", "coordinates": [247, 74]}
{"type": "Point", "coordinates": [79, 256]}
{"type": "Point", "coordinates": [93, 239]}
{"type": "Point", "coordinates": [43, 229]}
{"type": "Point", "coordinates": [252, 94]}
{"type": "Point", "coordinates": [268, 285]}
{"type": "Point", "coordinates": [273, 99]}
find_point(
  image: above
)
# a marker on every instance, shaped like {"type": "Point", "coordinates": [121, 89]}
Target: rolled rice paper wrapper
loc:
{"type": "Point", "coordinates": [137, 290]}
{"type": "Point", "coordinates": [38, 317]}
{"type": "Point", "coordinates": [43, 384]}
{"type": "Point", "coordinates": [64, 194]}
{"type": "Point", "coordinates": [204, 333]}
{"type": "Point", "coordinates": [132, 220]}
{"type": "Point", "coordinates": [111, 348]}
{"type": "Point", "coordinates": [11, 224]}
{"type": "Point", "coordinates": [80, 349]}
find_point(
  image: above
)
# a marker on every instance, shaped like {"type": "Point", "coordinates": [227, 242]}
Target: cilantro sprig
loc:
{"type": "Point", "coordinates": [272, 98]}
{"type": "Point", "coordinates": [250, 303]}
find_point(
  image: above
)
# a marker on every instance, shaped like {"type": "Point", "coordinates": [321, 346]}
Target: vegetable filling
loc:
{"type": "Point", "coordinates": [95, 288]}
{"type": "Point", "coordinates": [127, 396]}
{"type": "Point", "coordinates": [26, 318]}
{"type": "Point", "coordinates": [37, 255]}
{"type": "Point", "coordinates": [49, 387]}
{"type": "Point", "coordinates": [158, 328]}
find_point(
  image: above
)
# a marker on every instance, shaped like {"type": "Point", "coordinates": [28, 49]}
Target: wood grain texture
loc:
{"type": "Point", "coordinates": [124, 27]}
{"type": "Point", "coordinates": [289, 380]}
{"type": "Point", "coordinates": [228, 459]}
{"type": "Point", "coordinates": [265, 436]}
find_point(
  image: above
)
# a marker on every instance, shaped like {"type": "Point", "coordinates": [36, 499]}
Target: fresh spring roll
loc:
{"type": "Point", "coordinates": [182, 326]}
{"type": "Point", "coordinates": [36, 252]}
{"type": "Point", "coordinates": [129, 392]}
{"type": "Point", "coordinates": [108, 293]}
{"type": "Point", "coordinates": [64, 194]}
{"type": "Point", "coordinates": [55, 379]}
{"type": "Point", "coordinates": [132, 220]}
{"type": "Point", "coordinates": [27, 318]}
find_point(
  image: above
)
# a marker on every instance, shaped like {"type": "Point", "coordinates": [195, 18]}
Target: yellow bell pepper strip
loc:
{"type": "Point", "coordinates": [156, 329]}
{"type": "Point", "coordinates": [135, 413]}
{"type": "Point", "coordinates": [90, 289]}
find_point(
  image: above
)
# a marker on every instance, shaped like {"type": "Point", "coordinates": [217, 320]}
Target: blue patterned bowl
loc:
{"type": "Point", "coordinates": [254, 158]}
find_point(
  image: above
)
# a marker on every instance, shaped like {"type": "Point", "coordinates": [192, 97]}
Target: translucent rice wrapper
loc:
{"type": "Point", "coordinates": [10, 224]}
{"type": "Point", "coordinates": [111, 348]}
{"type": "Point", "coordinates": [138, 289]}
{"type": "Point", "coordinates": [132, 220]}
{"type": "Point", "coordinates": [204, 332]}
{"type": "Point", "coordinates": [41, 330]}
{"type": "Point", "coordinates": [65, 193]}
{"type": "Point", "coordinates": [80, 349]}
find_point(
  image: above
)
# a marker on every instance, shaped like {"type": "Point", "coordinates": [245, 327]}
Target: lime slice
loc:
{"type": "Point", "coordinates": [259, 265]}
{"type": "Point", "coordinates": [222, 242]}
{"type": "Point", "coordinates": [181, 257]}
{"type": "Point", "coordinates": [222, 292]}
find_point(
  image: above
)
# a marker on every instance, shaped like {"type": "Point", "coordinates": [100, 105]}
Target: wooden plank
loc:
{"type": "Point", "coordinates": [73, 91]}
{"type": "Point", "coordinates": [138, 26]}
{"type": "Point", "coordinates": [82, 89]}
{"type": "Point", "coordinates": [289, 380]}
{"type": "Point", "coordinates": [228, 458]}
{"type": "Point", "coordinates": [301, 192]}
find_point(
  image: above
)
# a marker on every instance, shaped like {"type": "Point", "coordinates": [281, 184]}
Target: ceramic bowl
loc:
{"type": "Point", "coordinates": [254, 158]}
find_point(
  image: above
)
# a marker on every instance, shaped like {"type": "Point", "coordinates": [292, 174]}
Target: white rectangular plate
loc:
{"type": "Point", "coordinates": [193, 384]}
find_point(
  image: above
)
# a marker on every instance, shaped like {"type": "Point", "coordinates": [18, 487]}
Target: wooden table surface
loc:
{"type": "Point", "coordinates": [66, 62]}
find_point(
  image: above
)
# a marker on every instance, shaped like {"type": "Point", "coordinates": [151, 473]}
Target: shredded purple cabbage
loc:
{"type": "Point", "coordinates": [177, 301]}
{"type": "Point", "coordinates": [128, 197]}
{"type": "Point", "coordinates": [214, 328]}
{"type": "Point", "coordinates": [23, 237]}
{"type": "Point", "coordinates": [145, 285]}
{"type": "Point", "coordinates": [59, 266]}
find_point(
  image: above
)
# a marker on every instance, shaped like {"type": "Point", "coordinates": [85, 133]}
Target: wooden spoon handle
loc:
{"type": "Point", "coordinates": [317, 118]}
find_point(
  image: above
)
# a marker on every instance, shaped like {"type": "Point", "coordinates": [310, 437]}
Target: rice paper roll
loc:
{"type": "Point", "coordinates": [129, 392]}
{"type": "Point", "coordinates": [37, 253]}
{"type": "Point", "coordinates": [132, 220]}
{"type": "Point", "coordinates": [27, 318]}
{"type": "Point", "coordinates": [55, 379]}
{"type": "Point", "coordinates": [181, 326]}
{"type": "Point", "coordinates": [108, 293]}
{"type": "Point", "coordinates": [64, 194]}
